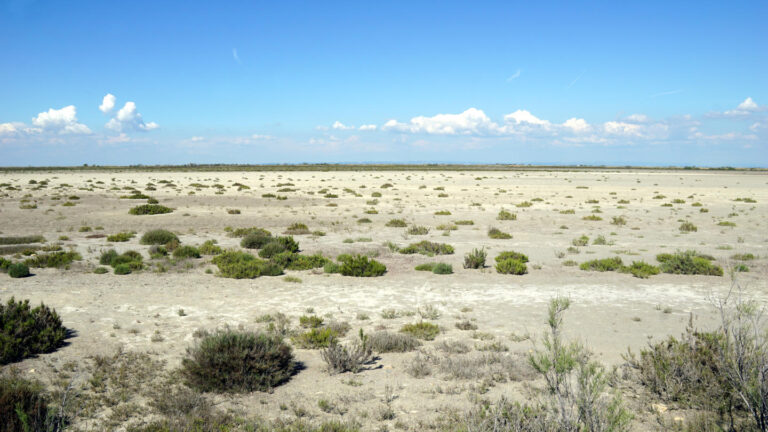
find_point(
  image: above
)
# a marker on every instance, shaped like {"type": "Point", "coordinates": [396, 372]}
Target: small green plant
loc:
{"type": "Point", "coordinates": [418, 230]}
{"type": "Point", "coordinates": [158, 237]}
{"type": "Point", "coordinates": [592, 218]}
{"type": "Point", "coordinates": [229, 361]}
{"type": "Point", "coordinates": [297, 228]}
{"type": "Point", "coordinates": [743, 257]}
{"type": "Point", "coordinates": [687, 227]}
{"type": "Point", "coordinates": [59, 259]}
{"type": "Point", "coordinates": [209, 247]}
{"type": "Point", "coordinates": [340, 359]}
{"type": "Point", "coordinates": [421, 330]}
{"type": "Point", "coordinates": [315, 338]}
{"type": "Point", "coordinates": [511, 255]}
{"type": "Point", "coordinates": [396, 223]}
{"type": "Point", "coordinates": [602, 265]}
{"type": "Point", "coordinates": [120, 237]}
{"type": "Point", "coordinates": [256, 240]}
{"type": "Point", "coordinates": [505, 215]}
{"type": "Point", "coordinates": [511, 266]}
{"type": "Point", "coordinates": [688, 263]}
{"type": "Point", "coordinates": [581, 241]}
{"type": "Point", "coordinates": [427, 248]}
{"type": "Point", "coordinates": [386, 342]}
{"type": "Point", "coordinates": [642, 270]}
{"type": "Point", "coordinates": [475, 259]}
{"type": "Point", "coordinates": [186, 252]}
{"type": "Point", "coordinates": [442, 213]}
{"type": "Point", "coordinates": [361, 266]}
{"type": "Point", "coordinates": [150, 209]}
{"type": "Point", "coordinates": [498, 234]}
{"type": "Point", "coordinates": [242, 265]}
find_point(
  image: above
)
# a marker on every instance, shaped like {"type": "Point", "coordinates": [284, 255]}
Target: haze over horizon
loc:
{"type": "Point", "coordinates": [590, 83]}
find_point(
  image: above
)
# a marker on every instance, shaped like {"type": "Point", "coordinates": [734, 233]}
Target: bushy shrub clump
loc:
{"type": "Point", "coordinates": [150, 209]}
{"type": "Point", "coordinates": [421, 330]}
{"type": "Point", "coordinates": [396, 223]}
{"type": "Point", "coordinates": [511, 266]}
{"type": "Point", "coordinates": [297, 228]}
{"type": "Point", "coordinates": [256, 240]}
{"type": "Point", "coordinates": [18, 270]}
{"type": "Point", "coordinates": [294, 261]}
{"type": "Point", "coordinates": [59, 259]}
{"type": "Point", "coordinates": [242, 232]}
{"type": "Point", "coordinates": [26, 331]}
{"type": "Point", "coordinates": [427, 248]}
{"type": "Point", "coordinates": [230, 361]}
{"type": "Point", "coordinates": [361, 266]}
{"type": "Point", "coordinates": [209, 247]}
{"type": "Point", "coordinates": [349, 358]}
{"type": "Point", "coordinates": [22, 240]}
{"type": "Point", "coordinates": [418, 230]}
{"type": "Point", "coordinates": [511, 255]}
{"type": "Point", "coordinates": [319, 337]}
{"type": "Point", "coordinates": [4, 264]}
{"type": "Point", "coordinates": [278, 245]}
{"type": "Point", "coordinates": [186, 252]}
{"type": "Point", "coordinates": [242, 265]}
{"type": "Point", "coordinates": [436, 268]}
{"type": "Point", "coordinates": [120, 237]}
{"type": "Point", "coordinates": [475, 259]}
{"type": "Point", "coordinates": [158, 237]}
{"type": "Point", "coordinates": [641, 269]}
{"type": "Point", "coordinates": [123, 263]}
{"type": "Point", "coordinates": [498, 234]}
{"type": "Point", "coordinates": [23, 404]}
{"type": "Point", "coordinates": [602, 265]}
{"type": "Point", "coordinates": [385, 342]}
{"type": "Point", "coordinates": [506, 215]}
{"type": "Point", "coordinates": [688, 263]}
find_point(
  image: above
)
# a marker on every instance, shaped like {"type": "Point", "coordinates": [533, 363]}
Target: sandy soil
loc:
{"type": "Point", "coordinates": [611, 312]}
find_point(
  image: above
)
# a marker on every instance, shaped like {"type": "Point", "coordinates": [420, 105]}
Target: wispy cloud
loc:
{"type": "Point", "coordinates": [235, 56]}
{"type": "Point", "coordinates": [667, 93]}
{"type": "Point", "coordinates": [514, 76]}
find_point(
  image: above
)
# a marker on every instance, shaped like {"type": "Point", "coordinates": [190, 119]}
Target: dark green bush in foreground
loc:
{"type": "Point", "coordinates": [361, 266]}
{"type": "Point", "coordinates": [26, 331]}
{"type": "Point", "coordinates": [688, 263]}
{"type": "Point", "coordinates": [256, 240]}
{"type": "Point", "coordinates": [150, 209]}
{"type": "Point", "coordinates": [186, 252]}
{"type": "Point", "coordinates": [18, 270]}
{"type": "Point", "coordinates": [158, 237]}
{"type": "Point", "coordinates": [229, 361]}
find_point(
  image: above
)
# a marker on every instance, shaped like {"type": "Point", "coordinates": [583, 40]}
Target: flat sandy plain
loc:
{"type": "Point", "coordinates": [610, 311]}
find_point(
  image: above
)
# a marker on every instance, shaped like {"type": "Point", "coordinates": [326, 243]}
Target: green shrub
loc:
{"type": "Point", "coordinates": [602, 265]}
{"type": "Point", "coordinates": [743, 257]}
{"type": "Point", "coordinates": [506, 215]}
{"type": "Point", "coordinates": [361, 266]}
{"type": "Point", "coordinates": [425, 267]}
{"type": "Point", "coordinates": [442, 213]}
{"type": "Point", "coordinates": [310, 321]}
{"type": "Point", "coordinates": [54, 259]}
{"type": "Point", "coordinates": [331, 267]}
{"type": "Point", "coordinates": [442, 269]}
{"type": "Point", "coordinates": [294, 261]}
{"type": "Point", "coordinates": [688, 227]}
{"type": "Point", "coordinates": [427, 248]}
{"type": "Point", "coordinates": [498, 234]}
{"type": "Point", "coordinates": [475, 259]}
{"type": "Point", "coordinates": [209, 247]}
{"type": "Point", "coordinates": [107, 257]}
{"type": "Point", "coordinates": [242, 265]}
{"type": "Point", "coordinates": [618, 221]}
{"type": "Point", "coordinates": [641, 269]}
{"type": "Point", "coordinates": [22, 240]}
{"type": "Point", "coordinates": [396, 223]}
{"type": "Point", "coordinates": [511, 266]}
{"type": "Point", "coordinates": [186, 252]}
{"type": "Point", "coordinates": [271, 249]}
{"type": "Point", "coordinates": [23, 404]}
{"type": "Point", "coordinates": [421, 330]}
{"type": "Point", "coordinates": [511, 255]}
{"type": "Point", "coordinates": [150, 209]}
{"type": "Point", "coordinates": [26, 331]}
{"type": "Point", "coordinates": [156, 251]}
{"type": "Point", "coordinates": [688, 263]}
{"type": "Point", "coordinates": [297, 228]}
{"type": "Point", "coordinates": [255, 240]}
{"type": "Point", "coordinates": [231, 361]}
{"type": "Point", "coordinates": [464, 222]}
{"type": "Point", "coordinates": [122, 269]}
{"type": "Point", "coordinates": [158, 237]}
{"type": "Point", "coordinates": [242, 232]}
{"type": "Point", "coordinates": [315, 338]}
{"type": "Point", "coordinates": [18, 270]}
{"type": "Point", "coordinates": [120, 237]}
{"type": "Point", "coordinates": [418, 230]}
{"type": "Point", "coordinates": [100, 270]}
{"type": "Point", "coordinates": [581, 241]}
{"type": "Point", "coordinates": [386, 342]}
{"type": "Point", "coordinates": [592, 218]}
{"type": "Point", "coordinates": [4, 264]}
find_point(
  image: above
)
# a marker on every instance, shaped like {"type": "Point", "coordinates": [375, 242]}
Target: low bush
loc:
{"type": "Point", "coordinates": [158, 237]}
{"type": "Point", "coordinates": [511, 266]}
{"type": "Point", "coordinates": [120, 237]}
{"type": "Point", "coordinates": [361, 266]}
{"type": "Point", "coordinates": [231, 361]}
{"type": "Point", "coordinates": [425, 267]}
{"type": "Point", "coordinates": [54, 259]}
{"type": "Point", "coordinates": [581, 241]}
{"type": "Point", "coordinates": [592, 218]}
{"type": "Point", "coordinates": [272, 249]}
{"type": "Point", "coordinates": [209, 247]}
{"type": "Point", "coordinates": [396, 223]}
{"type": "Point", "coordinates": [687, 227]}
{"type": "Point", "coordinates": [242, 265]}
{"type": "Point", "coordinates": [743, 257]}
{"type": "Point", "coordinates": [255, 240]}
{"type": "Point", "coordinates": [475, 259]}
{"type": "Point", "coordinates": [331, 267]}
{"type": "Point", "coordinates": [315, 338]}
{"type": "Point", "coordinates": [511, 255]}
{"type": "Point", "coordinates": [22, 240]}
{"type": "Point", "coordinates": [418, 230]}
{"type": "Point", "coordinates": [27, 331]}
{"type": "Point", "coordinates": [386, 342]}
{"type": "Point", "coordinates": [641, 269]}
{"type": "Point", "coordinates": [498, 234]}
{"type": "Point", "coordinates": [310, 321]}
{"type": "Point", "coordinates": [505, 215]}
{"type": "Point", "coordinates": [242, 232]}
{"type": "Point", "coordinates": [688, 263]}
{"type": "Point", "coordinates": [294, 261]}
{"type": "Point", "coordinates": [186, 252]}
{"type": "Point", "coordinates": [122, 269]}
{"type": "Point", "coordinates": [421, 330]}
{"type": "Point", "coordinates": [340, 359]}
{"type": "Point", "coordinates": [602, 265]}
{"type": "Point", "coordinates": [18, 270]}
{"type": "Point", "coordinates": [436, 268]}
{"type": "Point", "coordinates": [464, 222]}
{"type": "Point", "coordinates": [427, 248]}
{"type": "Point", "coordinates": [100, 270]}
{"type": "Point", "coordinates": [297, 228]}
{"type": "Point", "coordinates": [150, 209]}
{"type": "Point", "coordinates": [23, 404]}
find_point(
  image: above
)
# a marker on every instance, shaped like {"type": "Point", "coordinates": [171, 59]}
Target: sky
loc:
{"type": "Point", "coordinates": [597, 83]}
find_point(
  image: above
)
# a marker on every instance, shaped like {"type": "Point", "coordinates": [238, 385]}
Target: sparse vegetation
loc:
{"type": "Point", "coordinates": [421, 330]}
{"type": "Point", "coordinates": [150, 209]}
{"type": "Point", "coordinates": [475, 259]}
{"type": "Point", "coordinates": [427, 248]}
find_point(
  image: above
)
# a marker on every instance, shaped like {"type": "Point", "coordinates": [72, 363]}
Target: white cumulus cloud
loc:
{"type": "Point", "coordinates": [107, 103]}
{"type": "Point", "coordinates": [337, 125]}
{"type": "Point", "coordinates": [621, 128]}
{"type": "Point", "coordinates": [368, 127]}
{"type": "Point", "coordinates": [577, 125]}
{"type": "Point", "coordinates": [62, 120]}
{"type": "Point", "coordinates": [471, 121]}
{"type": "Point", "coordinates": [129, 119]}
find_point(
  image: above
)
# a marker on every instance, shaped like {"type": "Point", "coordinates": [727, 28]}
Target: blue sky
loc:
{"type": "Point", "coordinates": [645, 83]}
